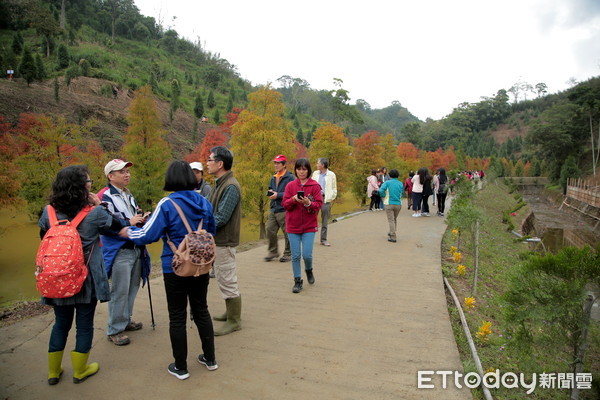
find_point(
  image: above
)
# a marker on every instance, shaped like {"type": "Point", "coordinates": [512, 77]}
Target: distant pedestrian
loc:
{"type": "Point", "coordinates": [417, 191]}
{"type": "Point", "coordinates": [373, 190]}
{"type": "Point", "coordinates": [276, 218]}
{"type": "Point", "coordinates": [427, 192]}
{"type": "Point", "coordinates": [408, 188]}
{"type": "Point", "coordinates": [391, 192]}
{"type": "Point", "coordinates": [302, 201]}
{"type": "Point", "coordinates": [441, 189]}
{"type": "Point", "coordinates": [328, 182]}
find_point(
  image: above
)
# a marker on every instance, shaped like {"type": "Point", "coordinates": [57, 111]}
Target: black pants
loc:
{"type": "Point", "coordinates": [441, 198]}
{"type": "Point", "coordinates": [374, 201]}
{"type": "Point", "coordinates": [425, 207]}
{"type": "Point", "coordinates": [179, 290]}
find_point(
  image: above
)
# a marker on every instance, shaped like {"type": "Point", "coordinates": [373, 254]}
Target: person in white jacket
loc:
{"type": "Point", "coordinates": [328, 182]}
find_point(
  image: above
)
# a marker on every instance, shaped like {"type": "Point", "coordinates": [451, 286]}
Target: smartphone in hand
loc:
{"type": "Point", "coordinates": [300, 194]}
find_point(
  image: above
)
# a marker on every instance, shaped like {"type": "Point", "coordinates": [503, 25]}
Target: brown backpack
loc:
{"type": "Point", "coordinates": [196, 252]}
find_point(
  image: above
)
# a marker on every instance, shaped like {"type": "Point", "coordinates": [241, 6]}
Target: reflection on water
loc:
{"type": "Point", "coordinates": [555, 239]}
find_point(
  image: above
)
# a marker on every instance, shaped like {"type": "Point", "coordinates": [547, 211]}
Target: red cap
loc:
{"type": "Point", "coordinates": [280, 158]}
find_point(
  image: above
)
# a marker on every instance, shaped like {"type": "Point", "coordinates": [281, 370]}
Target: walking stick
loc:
{"type": "Point", "coordinates": [150, 298]}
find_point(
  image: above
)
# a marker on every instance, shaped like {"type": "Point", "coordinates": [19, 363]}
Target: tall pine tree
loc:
{"type": "Point", "coordinates": [146, 148]}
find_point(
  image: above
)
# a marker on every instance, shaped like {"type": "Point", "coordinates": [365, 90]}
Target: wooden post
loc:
{"type": "Point", "coordinates": [476, 258]}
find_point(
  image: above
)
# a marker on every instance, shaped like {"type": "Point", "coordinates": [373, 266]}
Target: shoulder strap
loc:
{"type": "Point", "coordinates": [81, 215]}
{"type": "Point", "coordinates": [183, 218]}
{"type": "Point", "coordinates": [52, 215]}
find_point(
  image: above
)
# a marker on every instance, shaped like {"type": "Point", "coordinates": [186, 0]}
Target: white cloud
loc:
{"type": "Point", "coordinates": [429, 55]}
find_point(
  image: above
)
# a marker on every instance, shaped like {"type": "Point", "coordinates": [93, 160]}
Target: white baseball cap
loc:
{"type": "Point", "coordinates": [196, 165]}
{"type": "Point", "coordinates": [116, 165]}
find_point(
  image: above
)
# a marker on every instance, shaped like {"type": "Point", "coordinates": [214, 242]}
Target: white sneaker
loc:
{"type": "Point", "coordinates": [416, 215]}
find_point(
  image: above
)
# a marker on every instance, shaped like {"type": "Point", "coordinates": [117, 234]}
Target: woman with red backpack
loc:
{"type": "Point", "coordinates": [70, 196]}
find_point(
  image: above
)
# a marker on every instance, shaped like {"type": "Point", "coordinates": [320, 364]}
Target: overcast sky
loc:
{"type": "Point", "coordinates": [430, 55]}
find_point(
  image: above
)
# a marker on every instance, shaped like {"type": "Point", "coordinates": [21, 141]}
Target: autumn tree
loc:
{"type": "Point", "coordinates": [146, 148]}
{"type": "Point", "coordinates": [390, 157]}
{"type": "Point", "coordinates": [9, 179]}
{"type": "Point", "coordinates": [367, 156]}
{"type": "Point", "coordinates": [260, 133]}
{"type": "Point", "coordinates": [330, 142]}
{"type": "Point", "coordinates": [47, 144]}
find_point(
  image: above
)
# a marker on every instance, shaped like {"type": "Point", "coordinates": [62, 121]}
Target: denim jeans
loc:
{"type": "Point", "coordinates": [84, 325]}
{"type": "Point", "coordinates": [302, 246]}
{"type": "Point", "coordinates": [179, 289]}
{"type": "Point", "coordinates": [124, 286]}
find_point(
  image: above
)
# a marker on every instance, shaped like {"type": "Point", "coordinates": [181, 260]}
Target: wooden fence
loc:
{"type": "Point", "coordinates": [586, 191]}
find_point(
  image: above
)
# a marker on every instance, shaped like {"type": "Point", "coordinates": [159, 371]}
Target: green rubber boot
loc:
{"type": "Point", "coordinates": [55, 368]}
{"type": "Point", "coordinates": [234, 319]}
{"type": "Point", "coordinates": [81, 369]}
{"type": "Point", "coordinates": [221, 317]}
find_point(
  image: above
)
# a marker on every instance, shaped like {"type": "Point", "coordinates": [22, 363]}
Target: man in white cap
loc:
{"type": "Point", "coordinates": [203, 187]}
{"type": "Point", "coordinates": [123, 259]}
{"type": "Point", "coordinates": [276, 218]}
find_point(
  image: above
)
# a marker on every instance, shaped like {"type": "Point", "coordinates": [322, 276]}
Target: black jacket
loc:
{"type": "Point", "coordinates": [285, 179]}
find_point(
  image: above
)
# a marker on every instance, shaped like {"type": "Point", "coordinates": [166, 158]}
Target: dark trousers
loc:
{"type": "Point", "coordinates": [84, 325]}
{"type": "Point", "coordinates": [416, 200]}
{"type": "Point", "coordinates": [179, 290]}
{"type": "Point", "coordinates": [425, 207]}
{"type": "Point", "coordinates": [441, 198]}
{"type": "Point", "coordinates": [374, 201]}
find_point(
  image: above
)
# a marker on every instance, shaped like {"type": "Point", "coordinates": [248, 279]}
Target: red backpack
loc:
{"type": "Point", "coordinates": [60, 265]}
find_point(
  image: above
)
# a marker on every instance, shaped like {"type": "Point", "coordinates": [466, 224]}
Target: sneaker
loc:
{"type": "Point", "coordinates": [392, 240]}
{"type": "Point", "coordinates": [210, 365]}
{"type": "Point", "coordinates": [441, 214]}
{"type": "Point", "coordinates": [425, 214]}
{"type": "Point", "coordinates": [178, 373]}
{"type": "Point", "coordinates": [119, 339]}
{"type": "Point", "coordinates": [325, 243]}
{"type": "Point", "coordinates": [285, 259]}
{"type": "Point", "coordinates": [416, 215]}
{"type": "Point", "coordinates": [134, 326]}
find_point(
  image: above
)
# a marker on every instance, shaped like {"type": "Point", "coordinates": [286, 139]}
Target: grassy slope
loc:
{"type": "Point", "coordinates": [499, 252]}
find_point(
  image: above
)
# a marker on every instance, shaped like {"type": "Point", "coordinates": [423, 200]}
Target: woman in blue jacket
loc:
{"type": "Point", "coordinates": [164, 221]}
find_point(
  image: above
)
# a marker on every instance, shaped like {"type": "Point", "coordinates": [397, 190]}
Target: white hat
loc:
{"type": "Point", "coordinates": [116, 165]}
{"type": "Point", "coordinates": [196, 165]}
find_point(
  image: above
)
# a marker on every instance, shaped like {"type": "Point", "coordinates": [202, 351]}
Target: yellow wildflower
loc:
{"type": "Point", "coordinates": [461, 269]}
{"type": "Point", "coordinates": [484, 331]}
{"type": "Point", "coordinates": [455, 231]}
{"type": "Point", "coordinates": [457, 256]}
{"type": "Point", "coordinates": [452, 249]}
{"type": "Point", "coordinates": [469, 302]}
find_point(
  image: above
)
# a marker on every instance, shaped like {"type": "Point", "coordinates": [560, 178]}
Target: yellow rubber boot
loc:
{"type": "Point", "coordinates": [81, 369]}
{"type": "Point", "coordinates": [55, 368]}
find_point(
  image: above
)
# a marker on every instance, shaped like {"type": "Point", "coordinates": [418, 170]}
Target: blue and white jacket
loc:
{"type": "Point", "coordinates": [166, 220]}
{"type": "Point", "coordinates": [111, 244]}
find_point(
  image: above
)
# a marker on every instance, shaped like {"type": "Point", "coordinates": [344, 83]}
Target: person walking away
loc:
{"type": "Point", "coordinates": [276, 218]}
{"type": "Point", "coordinates": [226, 202]}
{"type": "Point", "coordinates": [391, 192]}
{"type": "Point", "coordinates": [408, 189]}
{"type": "Point", "coordinates": [328, 182]}
{"type": "Point", "coordinates": [70, 195]}
{"type": "Point", "coordinates": [417, 191]}
{"type": "Point", "coordinates": [436, 176]}
{"type": "Point", "coordinates": [166, 223]}
{"type": "Point", "coordinates": [202, 186]}
{"type": "Point", "coordinates": [302, 200]}
{"type": "Point", "coordinates": [442, 191]}
{"type": "Point", "coordinates": [383, 177]}
{"type": "Point", "coordinates": [427, 192]}
{"type": "Point", "coordinates": [373, 190]}
{"type": "Point", "coordinates": [124, 260]}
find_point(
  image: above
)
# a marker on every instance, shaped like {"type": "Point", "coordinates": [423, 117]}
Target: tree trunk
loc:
{"type": "Point", "coordinates": [62, 14]}
{"type": "Point", "coordinates": [262, 225]}
{"type": "Point", "coordinates": [582, 345]}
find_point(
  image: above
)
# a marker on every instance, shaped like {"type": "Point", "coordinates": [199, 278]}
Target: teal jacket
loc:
{"type": "Point", "coordinates": [395, 190]}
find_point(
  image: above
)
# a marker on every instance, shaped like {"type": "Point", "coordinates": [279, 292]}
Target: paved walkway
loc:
{"type": "Point", "coordinates": [375, 316]}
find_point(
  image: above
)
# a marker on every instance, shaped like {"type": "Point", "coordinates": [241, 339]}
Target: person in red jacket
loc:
{"type": "Point", "coordinates": [302, 201]}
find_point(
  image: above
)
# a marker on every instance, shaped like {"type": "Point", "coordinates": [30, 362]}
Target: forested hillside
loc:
{"type": "Point", "coordinates": [78, 66]}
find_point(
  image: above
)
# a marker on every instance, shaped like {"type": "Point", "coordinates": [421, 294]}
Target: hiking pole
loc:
{"type": "Point", "coordinates": [150, 298]}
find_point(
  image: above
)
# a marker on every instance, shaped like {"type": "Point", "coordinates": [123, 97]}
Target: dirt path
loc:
{"type": "Point", "coordinates": [375, 316]}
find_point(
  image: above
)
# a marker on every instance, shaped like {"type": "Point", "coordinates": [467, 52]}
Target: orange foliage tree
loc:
{"type": "Point", "coordinates": [367, 156]}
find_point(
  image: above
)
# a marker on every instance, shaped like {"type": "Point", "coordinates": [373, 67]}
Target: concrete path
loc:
{"type": "Point", "coordinates": [375, 316]}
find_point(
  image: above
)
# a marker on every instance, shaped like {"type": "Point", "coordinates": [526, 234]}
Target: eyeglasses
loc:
{"type": "Point", "coordinates": [212, 160]}
{"type": "Point", "coordinates": [89, 181]}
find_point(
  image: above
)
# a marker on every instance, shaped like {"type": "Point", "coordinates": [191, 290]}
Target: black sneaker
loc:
{"type": "Point", "coordinates": [178, 373]}
{"type": "Point", "coordinates": [210, 365]}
